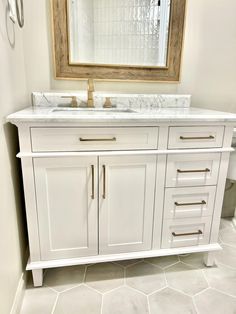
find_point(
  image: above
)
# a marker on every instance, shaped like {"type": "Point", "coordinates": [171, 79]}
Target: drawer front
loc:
{"type": "Point", "coordinates": [192, 169]}
{"type": "Point", "coordinates": [86, 139]}
{"type": "Point", "coordinates": [189, 202]}
{"type": "Point", "coordinates": [185, 232]}
{"type": "Point", "coordinates": [195, 137]}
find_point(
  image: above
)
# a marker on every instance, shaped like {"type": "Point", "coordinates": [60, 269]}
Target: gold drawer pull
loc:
{"type": "Point", "coordinates": [92, 169]}
{"type": "Point", "coordinates": [190, 171]}
{"type": "Point", "coordinates": [210, 137]}
{"type": "Point", "coordinates": [113, 139]}
{"type": "Point", "coordinates": [104, 181]}
{"type": "Point", "coordinates": [188, 204]}
{"type": "Point", "coordinates": [187, 233]}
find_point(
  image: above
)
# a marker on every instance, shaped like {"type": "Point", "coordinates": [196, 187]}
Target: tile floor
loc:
{"type": "Point", "coordinates": [176, 284]}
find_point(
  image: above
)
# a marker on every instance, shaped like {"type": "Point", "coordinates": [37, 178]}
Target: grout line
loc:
{"type": "Point", "coordinates": [167, 267]}
{"type": "Point", "coordinates": [102, 304]}
{"type": "Point", "coordinates": [158, 290]}
{"type": "Point", "coordinates": [148, 304]}
{"type": "Point", "coordinates": [85, 272]}
{"type": "Point", "coordinates": [180, 291]}
{"type": "Point", "coordinates": [55, 304]}
{"type": "Point", "coordinates": [229, 295]}
{"type": "Point", "coordinates": [136, 290]}
{"type": "Point", "coordinates": [200, 292]}
{"type": "Point", "coordinates": [195, 305]}
{"type": "Point", "coordinates": [86, 285]}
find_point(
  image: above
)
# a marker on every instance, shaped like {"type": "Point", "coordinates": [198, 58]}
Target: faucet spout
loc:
{"type": "Point", "coordinates": [90, 93]}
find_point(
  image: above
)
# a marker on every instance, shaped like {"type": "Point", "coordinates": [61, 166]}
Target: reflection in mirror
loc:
{"type": "Point", "coordinates": [119, 32]}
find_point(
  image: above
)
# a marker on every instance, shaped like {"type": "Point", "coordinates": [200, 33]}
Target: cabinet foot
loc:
{"type": "Point", "coordinates": [209, 259]}
{"type": "Point", "coordinates": [37, 277]}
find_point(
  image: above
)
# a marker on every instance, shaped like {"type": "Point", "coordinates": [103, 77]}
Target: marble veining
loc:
{"type": "Point", "coordinates": [140, 101]}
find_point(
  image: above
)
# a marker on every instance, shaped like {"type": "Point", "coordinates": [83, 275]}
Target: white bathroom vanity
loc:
{"type": "Point", "coordinates": [109, 185]}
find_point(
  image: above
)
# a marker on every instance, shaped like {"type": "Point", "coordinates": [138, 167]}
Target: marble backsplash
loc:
{"type": "Point", "coordinates": [141, 101]}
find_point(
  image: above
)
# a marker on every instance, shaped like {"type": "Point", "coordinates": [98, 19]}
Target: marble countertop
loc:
{"type": "Point", "coordinates": [47, 114]}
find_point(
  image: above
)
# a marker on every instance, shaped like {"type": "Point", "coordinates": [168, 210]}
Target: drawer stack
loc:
{"type": "Point", "coordinates": [190, 186]}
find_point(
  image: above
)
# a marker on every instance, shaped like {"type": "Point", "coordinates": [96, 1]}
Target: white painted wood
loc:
{"type": "Point", "coordinates": [37, 277]}
{"type": "Point", "coordinates": [209, 259]}
{"type": "Point", "coordinates": [181, 226]}
{"type": "Point", "coordinates": [122, 256]}
{"type": "Point", "coordinates": [68, 139]}
{"type": "Point", "coordinates": [67, 214]}
{"type": "Point", "coordinates": [201, 199]}
{"type": "Point", "coordinates": [192, 162]}
{"type": "Point", "coordinates": [125, 152]}
{"type": "Point", "coordinates": [126, 212]}
{"type": "Point", "coordinates": [194, 132]}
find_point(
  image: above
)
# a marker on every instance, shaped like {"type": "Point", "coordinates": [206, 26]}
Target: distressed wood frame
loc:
{"type": "Point", "coordinates": [65, 70]}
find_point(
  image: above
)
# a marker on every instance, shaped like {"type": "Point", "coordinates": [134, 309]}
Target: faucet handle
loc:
{"type": "Point", "coordinates": [74, 102]}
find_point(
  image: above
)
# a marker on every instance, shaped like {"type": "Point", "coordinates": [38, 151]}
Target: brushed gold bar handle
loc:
{"type": "Point", "coordinates": [187, 233]}
{"type": "Point", "coordinates": [210, 137]}
{"type": "Point", "coordinates": [193, 171]}
{"type": "Point", "coordinates": [188, 204]}
{"type": "Point", "coordinates": [113, 139]}
{"type": "Point", "coordinates": [104, 181]}
{"type": "Point", "coordinates": [92, 169]}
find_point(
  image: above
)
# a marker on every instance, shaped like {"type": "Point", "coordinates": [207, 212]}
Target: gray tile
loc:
{"type": "Point", "coordinates": [163, 261]}
{"type": "Point", "coordinates": [186, 279]}
{"type": "Point", "coordinates": [226, 256]}
{"type": "Point", "coordinates": [145, 277]}
{"type": "Point", "coordinates": [195, 260]}
{"type": "Point", "coordinates": [105, 276]}
{"type": "Point", "coordinates": [169, 301]}
{"type": "Point", "coordinates": [38, 301]}
{"type": "Point", "coordinates": [228, 236]}
{"type": "Point", "coordinates": [64, 278]}
{"type": "Point", "coordinates": [129, 262]}
{"type": "Point", "coordinates": [226, 223]}
{"type": "Point", "coordinates": [212, 301]}
{"type": "Point", "coordinates": [222, 278]}
{"type": "Point", "coordinates": [81, 299]}
{"type": "Point", "coordinates": [124, 301]}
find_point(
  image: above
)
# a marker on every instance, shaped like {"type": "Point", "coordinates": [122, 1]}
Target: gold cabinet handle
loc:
{"type": "Point", "coordinates": [113, 139]}
{"type": "Point", "coordinates": [188, 204]}
{"type": "Point", "coordinates": [193, 171]}
{"type": "Point", "coordinates": [187, 233]}
{"type": "Point", "coordinates": [210, 137]}
{"type": "Point", "coordinates": [92, 169]}
{"type": "Point", "coordinates": [104, 181]}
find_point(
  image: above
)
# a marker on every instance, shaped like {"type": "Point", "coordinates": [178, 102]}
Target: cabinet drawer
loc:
{"type": "Point", "coordinates": [80, 139]}
{"type": "Point", "coordinates": [192, 169]}
{"type": "Point", "coordinates": [185, 232]}
{"type": "Point", "coordinates": [195, 137]}
{"type": "Point", "coordinates": [189, 202]}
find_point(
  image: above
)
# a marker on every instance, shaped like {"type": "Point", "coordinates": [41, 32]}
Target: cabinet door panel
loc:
{"type": "Point", "coordinates": [126, 209]}
{"type": "Point", "coordinates": [66, 211]}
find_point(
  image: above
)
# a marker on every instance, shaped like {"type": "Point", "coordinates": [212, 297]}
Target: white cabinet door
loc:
{"type": "Point", "coordinates": [126, 200]}
{"type": "Point", "coordinates": [66, 193]}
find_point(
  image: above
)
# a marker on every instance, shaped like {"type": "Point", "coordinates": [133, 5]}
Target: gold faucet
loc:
{"type": "Point", "coordinates": [90, 89]}
{"type": "Point", "coordinates": [74, 102]}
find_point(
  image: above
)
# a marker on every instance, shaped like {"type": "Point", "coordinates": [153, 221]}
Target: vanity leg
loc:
{"type": "Point", "coordinates": [209, 259]}
{"type": "Point", "coordinates": [37, 277]}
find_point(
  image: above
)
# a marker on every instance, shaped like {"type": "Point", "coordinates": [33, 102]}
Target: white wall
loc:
{"type": "Point", "coordinates": [208, 67]}
{"type": "Point", "coordinates": [13, 96]}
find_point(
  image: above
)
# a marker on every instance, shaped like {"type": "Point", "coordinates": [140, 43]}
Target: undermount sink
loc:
{"type": "Point", "coordinates": [92, 110]}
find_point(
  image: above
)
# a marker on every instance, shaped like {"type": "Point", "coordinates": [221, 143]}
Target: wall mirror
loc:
{"type": "Point", "coordinates": [118, 39]}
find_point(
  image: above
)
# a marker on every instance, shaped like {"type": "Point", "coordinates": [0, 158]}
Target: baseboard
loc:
{"type": "Point", "coordinates": [20, 291]}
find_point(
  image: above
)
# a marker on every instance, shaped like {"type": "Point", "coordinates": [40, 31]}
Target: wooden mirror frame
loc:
{"type": "Point", "coordinates": [65, 70]}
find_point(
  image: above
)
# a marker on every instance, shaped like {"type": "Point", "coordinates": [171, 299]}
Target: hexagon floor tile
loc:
{"type": "Point", "coordinates": [105, 276]}
{"type": "Point", "coordinates": [227, 256]}
{"type": "Point", "coordinates": [145, 277]}
{"type": "Point", "coordinates": [129, 262]}
{"type": "Point", "coordinates": [64, 278]}
{"type": "Point", "coordinates": [186, 279]}
{"type": "Point", "coordinates": [222, 278]}
{"type": "Point", "coordinates": [215, 302]}
{"type": "Point", "coordinates": [169, 301]}
{"type": "Point", "coordinates": [195, 260]}
{"type": "Point", "coordinates": [81, 299]}
{"type": "Point", "coordinates": [125, 300]}
{"type": "Point", "coordinates": [163, 261]}
{"type": "Point", "coordinates": [38, 301]}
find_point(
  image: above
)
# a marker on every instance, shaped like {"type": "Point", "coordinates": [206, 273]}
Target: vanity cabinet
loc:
{"type": "Point", "coordinates": [104, 193]}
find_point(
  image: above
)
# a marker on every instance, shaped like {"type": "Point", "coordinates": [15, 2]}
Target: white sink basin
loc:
{"type": "Point", "coordinates": [92, 110]}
